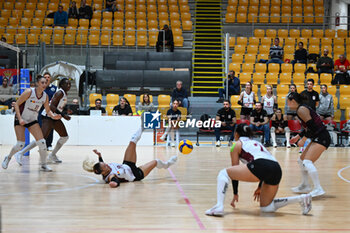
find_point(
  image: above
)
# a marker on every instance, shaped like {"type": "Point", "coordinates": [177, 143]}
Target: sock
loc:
{"type": "Point", "coordinates": [304, 173]}
{"type": "Point", "coordinates": [172, 135]}
{"type": "Point", "coordinates": [280, 202]}
{"type": "Point", "coordinates": [136, 136]}
{"type": "Point", "coordinates": [287, 138]}
{"type": "Point", "coordinates": [59, 144]}
{"type": "Point", "coordinates": [222, 184]}
{"type": "Point", "coordinates": [17, 147]}
{"type": "Point", "coordinates": [165, 165]}
{"type": "Point", "coordinates": [42, 151]}
{"type": "Point", "coordinates": [311, 169]}
{"type": "Point", "coordinates": [273, 136]}
{"type": "Point", "coordinates": [30, 146]}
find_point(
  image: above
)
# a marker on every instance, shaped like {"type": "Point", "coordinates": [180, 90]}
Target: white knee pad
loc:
{"type": "Point", "coordinates": [268, 209]}
{"type": "Point", "coordinates": [62, 140]}
{"type": "Point", "coordinates": [287, 130]}
{"type": "Point", "coordinates": [272, 130]}
{"type": "Point", "coordinates": [309, 166]}
{"type": "Point", "coordinates": [41, 144]}
{"type": "Point", "coordinates": [19, 145]}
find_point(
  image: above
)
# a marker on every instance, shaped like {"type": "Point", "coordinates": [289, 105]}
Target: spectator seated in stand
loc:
{"type": "Point", "coordinates": [123, 109]}
{"type": "Point", "coordinates": [73, 10]}
{"type": "Point", "coordinates": [85, 11]}
{"type": "Point", "coordinates": [111, 6]}
{"type": "Point", "coordinates": [173, 117]}
{"type": "Point", "coordinates": [98, 106]}
{"type": "Point", "coordinates": [300, 55]}
{"type": "Point", "coordinates": [279, 124]}
{"type": "Point", "coordinates": [145, 105]}
{"type": "Point", "coordinates": [260, 122]}
{"type": "Point", "coordinates": [312, 96]}
{"type": "Point", "coordinates": [5, 89]}
{"type": "Point", "coordinates": [73, 109]}
{"type": "Point", "coordinates": [180, 94]}
{"type": "Point", "coordinates": [276, 53]}
{"type": "Point", "coordinates": [60, 17]}
{"type": "Point", "coordinates": [227, 117]}
{"type": "Point", "coordinates": [325, 64]}
{"type": "Point", "coordinates": [341, 65]}
{"type": "Point", "coordinates": [168, 39]}
{"type": "Point", "coordinates": [326, 105]}
{"type": "Point", "coordinates": [234, 87]}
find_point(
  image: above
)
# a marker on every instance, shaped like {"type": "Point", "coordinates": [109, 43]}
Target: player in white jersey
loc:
{"type": "Point", "coordinates": [258, 165]}
{"type": "Point", "coordinates": [115, 173]}
{"type": "Point", "coordinates": [269, 101]}
{"type": "Point", "coordinates": [27, 107]}
{"type": "Point", "coordinates": [57, 104]}
{"type": "Point", "coordinates": [247, 99]}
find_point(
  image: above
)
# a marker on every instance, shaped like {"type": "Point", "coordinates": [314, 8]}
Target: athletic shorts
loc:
{"type": "Point", "coordinates": [292, 114]}
{"type": "Point", "coordinates": [138, 173]}
{"type": "Point", "coordinates": [266, 170]}
{"type": "Point", "coordinates": [246, 111]}
{"type": "Point", "coordinates": [323, 138]}
{"type": "Point", "coordinates": [26, 125]}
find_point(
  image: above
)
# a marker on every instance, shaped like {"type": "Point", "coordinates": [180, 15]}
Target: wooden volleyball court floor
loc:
{"type": "Point", "coordinates": [173, 200]}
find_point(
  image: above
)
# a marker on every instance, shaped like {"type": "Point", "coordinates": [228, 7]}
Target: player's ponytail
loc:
{"type": "Point", "coordinates": [243, 130]}
{"type": "Point", "coordinates": [299, 98]}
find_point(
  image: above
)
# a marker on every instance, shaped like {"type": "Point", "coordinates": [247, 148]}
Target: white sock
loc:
{"type": "Point", "coordinates": [311, 169]}
{"type": "Point", "coordinates": [177, 137]}
{"type": "Point", "coordinates": [222, 183]}
{"type": "Point", "coordinates": [280, 202]}
{"type": "Point", "coordinates": [172, 135]}
{"type": "Point", "coordinates": [165, 165]}
{"type": "Point", "coordinates": [304, 174]}
{"type": "Point", "coordinates": [30, 146]}
{"type": "Point", "coordinates": [136, 136]}
{"type": "Point", "coordinates": [17, 147]}
{"type": "Point", "coordinates": [273, 138]}
{"type": "Point", "coordinates": [59, 144]}
{"type": "Point", "coordinates": [42, 151]}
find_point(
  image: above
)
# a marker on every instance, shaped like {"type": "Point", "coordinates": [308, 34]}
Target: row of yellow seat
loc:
{"type": "Point", "coordinates": [272, 67]}
{"type": "Point", "coordinates": [275, 2]}
{"type": "Point", "coordinates": [94, 40]}
{"type": "Point", "coordinates": [296, 33]}
{"type": "Point", "coordinates": [275, 9]}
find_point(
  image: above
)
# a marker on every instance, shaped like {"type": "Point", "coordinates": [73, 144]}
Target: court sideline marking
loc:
{"type": "Point", "coordinates": [199, 222]}
{"type": "Point", "coordinates": [340, 176]}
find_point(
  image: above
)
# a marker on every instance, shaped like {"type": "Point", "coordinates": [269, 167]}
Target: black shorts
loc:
{"type": "Point", "coordinates": [325, 116]}
{"type": "Point", "coordinates": [246, 111]}
{"type": "Point", "coordinates": [26, 125]}
{"type": "Point", "coordinates": [138, 173]}
{"type": "Point", "coordinates": [323, 138]}
{"type": "Point", "coordinates": [266, 170]}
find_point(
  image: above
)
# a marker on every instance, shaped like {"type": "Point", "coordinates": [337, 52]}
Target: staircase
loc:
{"type": "Point", "coordinates": [208, 47]}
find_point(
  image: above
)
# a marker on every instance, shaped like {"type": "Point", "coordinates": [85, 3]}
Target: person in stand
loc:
{"type": "Point", "coordinates": [145, 104]}
{"type": "Point", "coordinates": [279, 125]}
{"type": "Point", "coordinates": [27, 107]}
{"type": "Point", "coordinates": [180, 94]}
{"type": "Point", "coordinates": [259, 121]}
{"type": "Point", "coordinates": [258, 165]}
{"type": "Point", "coordinates": [312, 96]}
{"type": "Point", "coordinates": [234, 87]}
{"type": "Point", "coordinates": [98, 106]}
{"type": "Point", "coordinates": [247, 99]}
{"type": "Point", "coordinates": [60, 17]}
{"type": "Point", "coordinates": [325, 64]}
{"type": "Point", "coordinates": [123, 109]}
{"type": "Point", "coordinates": [174, 116]}
{"type": "Point", "coordinates": [168, 40]}
{"type": "Point", "coordinates": [326, 107]}
{"type": "Point", "coordinates": [291, 114]}
{"type": "Point", "coordinates": [300, 55]}
{"type": "Point", "coordinates": [5, 89]}
{"type": "Point", "coordinates": [227, 116]}
{"type": "Point", "coordinates": [73, 11]}
{"type": "Point", "coordinates": [85, 11]}
{"type": "Point", "coordinates": [315, 130]}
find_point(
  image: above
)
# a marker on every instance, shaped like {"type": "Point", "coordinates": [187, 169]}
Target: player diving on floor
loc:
{"type": "Point", "coordinates": [116, 173]}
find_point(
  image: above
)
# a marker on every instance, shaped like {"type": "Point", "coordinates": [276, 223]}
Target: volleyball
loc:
{"type": "Point", "coordinates": [88, 164]}
{"type": "Point", "coordinates": [185, 146]}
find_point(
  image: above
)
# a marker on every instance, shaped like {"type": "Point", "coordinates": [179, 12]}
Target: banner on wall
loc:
{"type": "Point", "coordinates": [11, 74]}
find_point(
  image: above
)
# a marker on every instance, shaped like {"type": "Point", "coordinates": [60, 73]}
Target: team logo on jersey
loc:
{"type": "Point", "coordinates": [32, 101]}
{"type": "Point", "coordinates": [151, 120]}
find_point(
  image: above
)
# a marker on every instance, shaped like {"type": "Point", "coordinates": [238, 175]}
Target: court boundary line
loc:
{"type": "Point", "coordinates": [59, 190]}
{"type": "Point", "coordinates": [187, 200]}
{"type": "Point", "coordinates": [340, 176]}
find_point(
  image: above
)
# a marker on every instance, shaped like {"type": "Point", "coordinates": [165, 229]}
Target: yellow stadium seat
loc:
{"type": "Point", "coordinates": [8, 5]}
{"type": "Point", "coordinates": [285, 78]}
{"type": "Point", "coordinates": [13, 21]}
{"type": "Point", "coordinates": [240, 49]}
{"type": "Point", "coordinates": [94, 39]}
{"type": "Point", "coordinates": [20, 39]}
{"type": "Point", "coordinates": [242, 9]}
{"type": "Point", "coordinates": [119, 15]}
{"type": "Point", "coordinates": [250, 58]}
{"type": "Point", "coordinates": [93, 97]}
{"type": "Point", "coordinates": [299, 78]}
{"type": "Point", "coordinates": [26, 22]}
{"type": "Point", "coordinates": [108, 23]}
{"type": "Point", "coordinates": [274, 68]}
{"type": "Point", "coordinates": [105, 40]}
{"type": "Point", "coordinates": [140, 8]}
{"type": "Point", "coordinates": [183, 2]}
{"type": "Point", "coordinates": [312, 76]}
{"type": "Point", "coordinates": [326, 41]}
{"type": "Point", "coordinates": [163, 15]}
{"type": "Point", "coordinates": [58, 39]}
{"type": "Point", "coordinates": [344, 102]}
{"type": "Point", "coordinates": [48, 22]}
{"type": "Point", "coordinates": [252, 49]}
{"type": "Point", "coordinates": [314, 41]}
{"type": "Point", "coordinates": [242, 41]}
{"type": "Point", "coordinates": [152, 40]}
{"type": "Point", "coordinates": [264, 9]}
{"type": "Point", "coordinates": [184, 8]}
{"type": "Point", "coordinates": [266, 41]}
{"type": "Point", "coordinates": [3, 21]}
{"type": "Point", "coordinates": [254, 41]}
{"type": "Point", "coordinates": [319, 18]}
{"type": "Point", "coordinates": [289, 49]}
{"type": "Point", "coordinates": [286, 10]}
{"type": "Point", "coordinates": [258, 78]}
{"type": "Point", "coordinates": [342, 33]}
{"type": "Point", "coordinates": [247, 67]}
{"type": "Point", "coordinates": [175, 24]}
{"type": "Point", "coordinates": [330, 33]}
{"type": "Point", "coordinates": [309, 18]}
{"type": "Point", "coordinates": [11, 30]}
{"type": "Point", "coordinates": [299, 68]}
{"type": "Point", "coordinates": [30, 6]}
{"type": "Point", "coordinates": [45, 38]}
{"type": "Point", "coordinates": [69, 39]}
{"type": "Point", "coordinates": [235, 67]}
{"type": "Point", "coordinates": [282, 33]}
{"type": "Point", "coordinates": [81, 39]}
{"type": "Point", "coordinates": [290, 41]}
{"type": "Point", "coordinates": [35, 30]}
{"type": "Point", "coordinates": [260, 68]}
{"type": "Point", "coordinates": [107, 15]}
{"type": "Point", "coordinates": [28, 14]}
{"type": "Point", "coordinates": [230, 17]}
{"type": "Point", "coordinates": [58, 30]}
{"type": "Point", "coordinates": [82, 31]}
{"type": "Point", "coordinates": [185, 16]}
{"type": "Point", "coordinates": [245, 77]}
{"type": "Point", "coordinates": [338, 41]}
{"type": "Point", "coordinates": [253, 9]}
{"type": "Point", "coordinates": [164, 101]}
{"type": "Point", "coordinates": [259, 33]}
{"type": "Point", "coordinates": [112, 99]}
{"type": "Point", "coordinates": [318, 33]}
{"type": "Point", "coordinates": [314, 49]}
{"type": "Point", "coordinates": [344, 90]}
{"type": "Point", "coordinates": [142, 40]}
{"type": "Point", "coordinates": [32, 39]}
{"type": "Point", "coordinates": [325, 78]}
{"type": "Point", "coordinates": [252, 18]}
{"type": "Point", "coordinates": [95, 23]}
{"type": "Point", "coordinates": [263, 17]}
{"type": "Point", "coordinates": [264, 49]}
{"type": "Point", "coordinates": [232, 41]}
{"type": "Point", "coordinates": [275, 18]}
{"type": "Point", "coordinates": [173, 7]}
{"type": "Point", "coordinates": [130, 40]}
{"type": "Point", "coordinates": [272, 78]}
{"type": "Point", "coordinates": [177, 32]}
{"type": "Point", "coordinates": [286, 68]}
{"type": "Point", "coordinates": [264, 56]}
{"type": "Point", "coordinates": [5, 13]}
{"type": "Point", "coordinates": [178, 41]}
{"type": "Point", "coordinates": [22, 30]}
{"type": "Point", "coordinates": [118, 40]}
{"type": "Point", "coordinates": [130, 7]}
{"type": "Point", "coordinates": [307, 33]}
{"type": "Point", "coordinates": [237, 58]}
{"type": "Point", "coordinates": [329, 47]}
{"type": "Point", "coordinates": [339, 49]}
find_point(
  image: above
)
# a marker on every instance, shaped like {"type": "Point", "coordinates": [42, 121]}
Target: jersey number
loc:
{"type": "Point", "coordinates": [261, 147]}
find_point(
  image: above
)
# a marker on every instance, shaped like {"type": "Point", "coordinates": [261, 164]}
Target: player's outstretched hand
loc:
{"type": "Point", "coordinates": [96, 152]}
{"type": "Point", "coordinates": [257, 194]}
{"type": "Point", "coordinates": [113, 184]}
{"type": "Point", "coordinates": [235, 199]}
